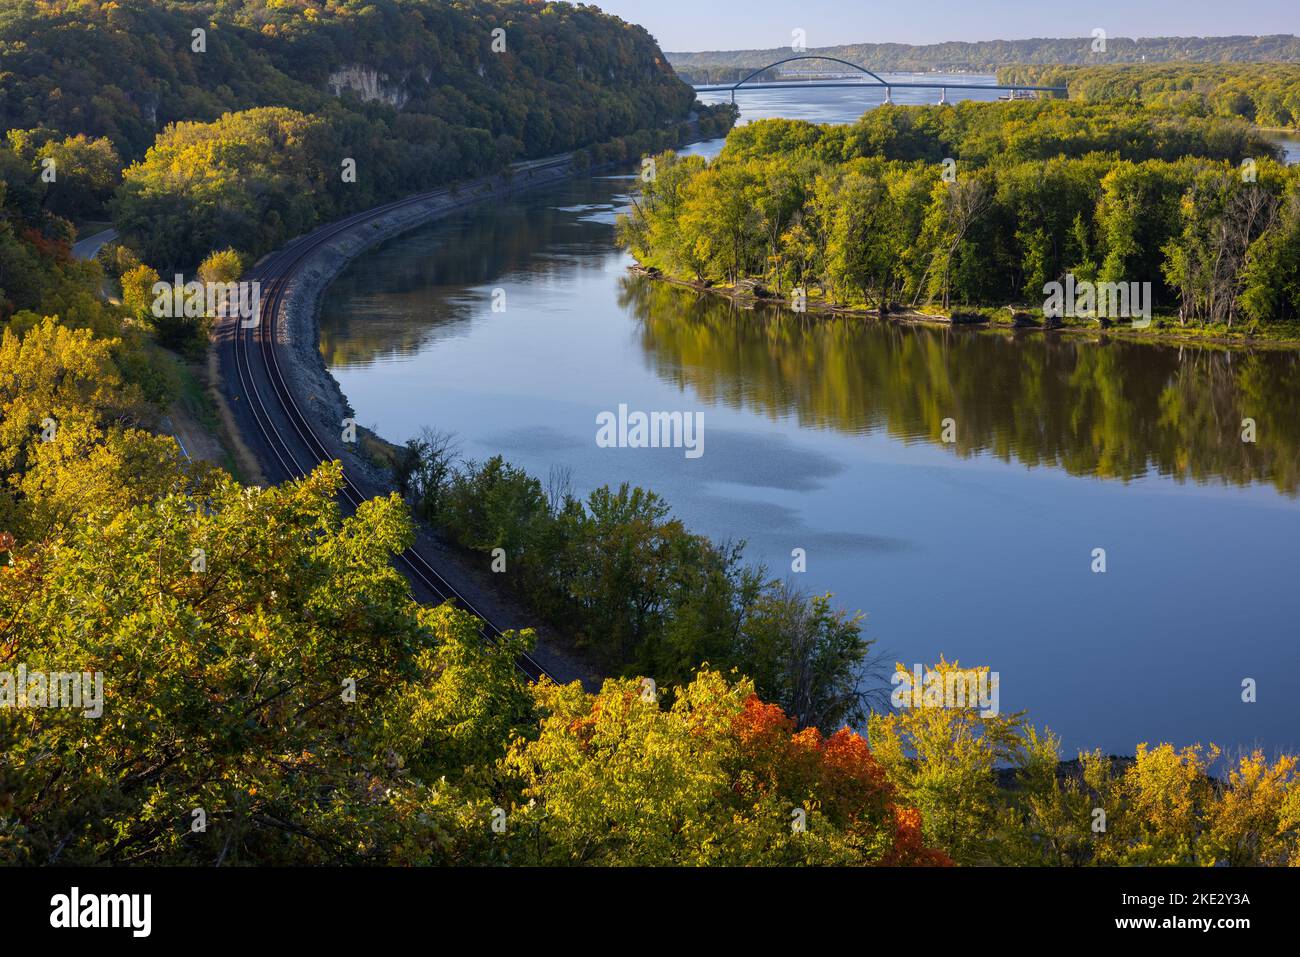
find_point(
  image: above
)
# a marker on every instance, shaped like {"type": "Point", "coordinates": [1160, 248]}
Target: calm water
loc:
{"type": "Point", "coordinates": [825, 435]}
{"type": "Point", "coordinates": [844, 104]}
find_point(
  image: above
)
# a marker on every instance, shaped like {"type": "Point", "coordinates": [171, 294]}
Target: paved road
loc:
{"type": "Point", "coordinates": [87, 248]}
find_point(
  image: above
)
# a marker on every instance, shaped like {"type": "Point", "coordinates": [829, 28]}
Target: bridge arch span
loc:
{"type": "Point", "coordinates": [810, 56]}
{"type": "Point", "coordinates": [880, 82]}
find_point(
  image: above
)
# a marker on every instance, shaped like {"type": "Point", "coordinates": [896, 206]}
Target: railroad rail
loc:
{"type": "Point", "coordinates": [257, 343]}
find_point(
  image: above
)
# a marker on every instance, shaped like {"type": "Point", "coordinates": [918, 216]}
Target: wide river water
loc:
{"type": "Point", "coordinates": [825, 435]}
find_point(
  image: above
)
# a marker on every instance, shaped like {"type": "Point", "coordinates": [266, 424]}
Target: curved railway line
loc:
{"type": "Point", "coordinates": [269, 396]}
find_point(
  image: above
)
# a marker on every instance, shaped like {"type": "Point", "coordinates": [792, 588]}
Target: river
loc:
{"type": "Point", "coordinates": [825, 435]}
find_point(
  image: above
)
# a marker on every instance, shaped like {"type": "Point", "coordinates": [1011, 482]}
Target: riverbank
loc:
{"type": "Point", "coordinates": [825, 434]}
{"type": "Point", "coordinates": [298, 331]}
{"type": "Point", "coordinates": [322, 401]}
{"type": "Point", "coordinates": [1163, 330]}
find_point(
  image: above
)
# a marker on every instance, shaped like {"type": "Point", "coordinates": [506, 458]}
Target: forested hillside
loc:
{"type": "Point", "coordinates": [125, 69]}
{"type": "Point", "coordinates": [242, 124]}
{"type": "Point", "coordinates": [991, 54]}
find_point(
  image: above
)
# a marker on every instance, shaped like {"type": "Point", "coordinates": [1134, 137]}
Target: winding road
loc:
{"type": "Point", "coordinates": [89, 247]}
{"type": "Point", "coordinates": [287, 444]}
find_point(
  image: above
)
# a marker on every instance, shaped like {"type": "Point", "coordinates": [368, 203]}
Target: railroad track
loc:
{"type": "Point", "coordinates": [257, 343]}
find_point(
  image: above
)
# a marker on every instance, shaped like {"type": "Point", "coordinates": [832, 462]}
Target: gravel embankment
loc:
{"type": "Point", "coordinates": [320, 397]}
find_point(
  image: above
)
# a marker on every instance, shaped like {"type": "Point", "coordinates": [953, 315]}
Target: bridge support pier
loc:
{"type": "Point", "coordinates": [889, 90]}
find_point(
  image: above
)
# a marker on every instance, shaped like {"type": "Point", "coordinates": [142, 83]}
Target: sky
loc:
{"type": "Point", "coordinates": [684, 25]}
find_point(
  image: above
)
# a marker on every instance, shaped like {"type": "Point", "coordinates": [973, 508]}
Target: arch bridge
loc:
{"type": "Point", "coordinates": [880, 82]}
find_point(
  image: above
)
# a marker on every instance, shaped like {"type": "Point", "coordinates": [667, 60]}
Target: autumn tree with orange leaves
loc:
{"type": "Point", "coordinates": [716, 778]}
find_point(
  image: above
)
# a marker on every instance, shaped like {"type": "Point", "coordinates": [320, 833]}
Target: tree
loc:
{"type": "Point", "coordinates": [285, 685]}
{"type": "Point", "coordinates": [857, 258]}
{"type": "Point", "coordinates": [54, 378]}
{"type": "Point", "coordinates": [1271, 277]}
{"type": "Point", "coordinates": [810, 659]}
{"type": "Point", "coordinates": [138, 290]}
{"type": "Point", "coordinates": [942, 759]}
{"type": "Point", "coordinates": [718, 778]}
{"type": "Point", "coordinates": [1256, 821]}
{"type": "Point", "coordinates": [87, 172]}
{"type": "Point", "coordinates": [222, 266]}
{"type": "Point", "coordinates": [778, 196]}
{"type": "Point", "coordinates": [955, 208]}
{"type": "Point", "coordinates": [1207, 261]}
{"type": "Point", "coordinates": [423, 473]}
{"type": "Point", "coordinates": [719, 215]}
{"type": "Point", "coordinates": [622, 564]}
{"type": "Point", "coordinates": [1155, 807]}
{"type": "Point", "coordinates": [264, 179]}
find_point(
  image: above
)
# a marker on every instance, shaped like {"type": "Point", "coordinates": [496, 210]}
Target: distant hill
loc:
{"type": "Point", "coordinates": [989, 55]}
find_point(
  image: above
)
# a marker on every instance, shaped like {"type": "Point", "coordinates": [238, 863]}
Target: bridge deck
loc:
{"type": "Point", "coordinates": [870, 85]}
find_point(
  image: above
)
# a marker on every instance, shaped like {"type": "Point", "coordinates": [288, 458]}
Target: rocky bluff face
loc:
{"type": "Point", "coordinates": [369, 84]}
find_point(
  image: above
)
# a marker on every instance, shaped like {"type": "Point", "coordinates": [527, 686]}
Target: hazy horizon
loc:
{"type": "Point", "coordinates": [681, 26]}
{"type": "Point", "coordinates": [1085, 38]}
